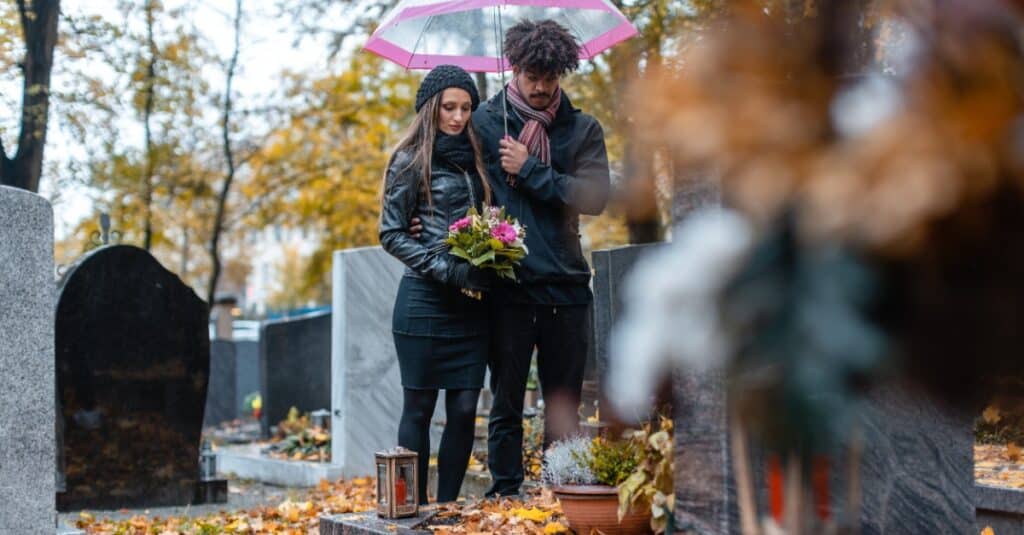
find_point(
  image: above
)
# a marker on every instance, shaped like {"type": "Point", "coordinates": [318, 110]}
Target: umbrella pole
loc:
{"type": "Point", "coordinates": [500, 38]}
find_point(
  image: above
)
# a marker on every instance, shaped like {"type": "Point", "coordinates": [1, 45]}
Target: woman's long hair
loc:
{"type": "Point", "coordinates": [419, 140]}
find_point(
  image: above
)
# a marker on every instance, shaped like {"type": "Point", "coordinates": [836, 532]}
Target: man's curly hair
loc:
{"type": "Point", "coordinates": [542, 47]}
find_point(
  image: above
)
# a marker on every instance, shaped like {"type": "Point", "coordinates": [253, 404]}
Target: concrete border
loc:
{"type": "Point", "coordinates": [246, 462]}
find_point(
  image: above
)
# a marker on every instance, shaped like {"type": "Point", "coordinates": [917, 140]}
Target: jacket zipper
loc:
{"type": "Point", "coordinates": [469, 184]}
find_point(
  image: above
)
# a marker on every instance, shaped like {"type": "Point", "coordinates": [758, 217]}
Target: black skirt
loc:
{"type": "Point", "coordinates": [441, 336]}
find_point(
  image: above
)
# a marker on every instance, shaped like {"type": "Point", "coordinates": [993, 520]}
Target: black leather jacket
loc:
{"type": "Point", "coordinates": [452, 193]}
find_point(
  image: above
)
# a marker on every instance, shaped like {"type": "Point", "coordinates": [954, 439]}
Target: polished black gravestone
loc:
{"type": "Point", "coordinates": [295, 366]}
{"type": "Point", "coordinates": [133, 358]}
{"type": "Point", "coordinates": [222, 392]}
{"type": "Point", "coordinates": [611, 267]}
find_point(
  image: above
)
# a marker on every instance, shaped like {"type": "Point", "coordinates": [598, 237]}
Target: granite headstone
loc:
{"type": "Point", "coordinates": [222, 392]}
{"type": "Point", "coordinates": [27, 429]}
{"type": "Point", "coordinates": [295, 366]}
{"type": "Point", "coordinates": [133, 359]}
{"type": "Point", "coordinates": [366, 389]}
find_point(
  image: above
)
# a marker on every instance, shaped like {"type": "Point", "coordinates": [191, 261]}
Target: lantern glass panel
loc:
{"type": "Point", "coordinates": [407, 479]}
{"type": "Point", "coordinates": [382, 483]}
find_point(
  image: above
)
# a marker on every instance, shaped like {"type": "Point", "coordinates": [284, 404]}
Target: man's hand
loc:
{"type": "Point", "coordinates": [513, 155]}
{"type": "Point", "coordinates": [415, 228]}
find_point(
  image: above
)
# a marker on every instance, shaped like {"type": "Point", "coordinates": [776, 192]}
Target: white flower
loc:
{"type": "Point", "coordinates": [671, 308]}
{"type": "Point", "coordinates": [565, 463]}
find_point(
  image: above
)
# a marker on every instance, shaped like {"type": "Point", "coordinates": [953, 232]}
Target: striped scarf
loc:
{"type": "Point", "coordinates": [535, 133]}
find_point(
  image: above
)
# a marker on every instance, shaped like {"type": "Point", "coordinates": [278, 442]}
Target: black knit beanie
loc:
{"type": "Point", "coordinates": [443, 77]}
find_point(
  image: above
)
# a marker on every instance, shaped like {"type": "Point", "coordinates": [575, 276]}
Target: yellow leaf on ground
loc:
{"type": "Point", "coordinates": [532, 513]}
{"type": "Point", "coordinates": [555, 527]}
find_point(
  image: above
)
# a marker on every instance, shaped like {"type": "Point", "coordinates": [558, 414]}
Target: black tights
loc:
{"type": "Point", "coordinates": [456, 441]}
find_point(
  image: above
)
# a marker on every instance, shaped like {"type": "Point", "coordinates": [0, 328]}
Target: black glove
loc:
{"type": "Point", "coordinates": [470, 277]}
{"type": "Point", "coordinates": [484, 280]}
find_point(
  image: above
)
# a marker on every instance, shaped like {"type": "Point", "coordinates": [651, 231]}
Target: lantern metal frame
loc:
{"type": "Point", "coordinates": [391, 461]}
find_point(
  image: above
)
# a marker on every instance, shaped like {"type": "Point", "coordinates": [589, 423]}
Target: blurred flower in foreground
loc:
{"type": "Point", "coordinates": [920, 172]}
{"type": "Point", "coordinates": [882, 216]}
{"type": "Point", "coordinates": [671, 296]}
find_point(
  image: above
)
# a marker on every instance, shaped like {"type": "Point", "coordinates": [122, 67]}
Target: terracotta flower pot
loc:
{"type": "Point", "coordinates": [595, 507]}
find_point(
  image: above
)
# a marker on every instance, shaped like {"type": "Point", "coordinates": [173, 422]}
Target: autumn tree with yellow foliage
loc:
{"type": "Point", "coordinates": [322, 169]}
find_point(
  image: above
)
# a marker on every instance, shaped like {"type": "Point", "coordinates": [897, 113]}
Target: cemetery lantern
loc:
{"type": "Point", "coordinates": [397, 483]}
{"type": "Point", "coordinates": [207, 462]}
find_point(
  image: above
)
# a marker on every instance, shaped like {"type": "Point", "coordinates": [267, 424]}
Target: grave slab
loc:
{"type": "Point", "coordinates": [246, 462]}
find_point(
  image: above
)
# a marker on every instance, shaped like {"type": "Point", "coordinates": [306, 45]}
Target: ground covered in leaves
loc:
{"type": "Point", "coordinates": [998, 465]}
{"type": "Point", "coordinates": [299, 515]}
{"type": "Point", "coordinates": [539, 514]}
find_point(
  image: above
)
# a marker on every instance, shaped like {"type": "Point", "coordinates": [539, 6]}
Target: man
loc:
{"type": "Point", "coordinates": [552, 168]}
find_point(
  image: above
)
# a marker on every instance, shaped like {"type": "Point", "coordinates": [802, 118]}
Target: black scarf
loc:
{"type": "Point", "coordinates": [455, 150]}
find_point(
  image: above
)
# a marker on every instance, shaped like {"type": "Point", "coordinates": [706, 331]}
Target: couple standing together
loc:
{"type": "Point", "coordinates": [551, 168]}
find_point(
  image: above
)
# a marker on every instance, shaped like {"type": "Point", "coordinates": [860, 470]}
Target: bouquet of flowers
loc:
{"type": "Point", "coordinates": [491, 240]}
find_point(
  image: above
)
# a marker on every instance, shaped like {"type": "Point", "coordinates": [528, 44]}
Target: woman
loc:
{"type": "Point", "coordinates": [436, 172]}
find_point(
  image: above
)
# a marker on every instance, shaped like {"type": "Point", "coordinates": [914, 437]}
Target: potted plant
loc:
{"type": "Point", "coordinates": [651, 486]}
{"type": "Point", "coordinates": [584, 475]}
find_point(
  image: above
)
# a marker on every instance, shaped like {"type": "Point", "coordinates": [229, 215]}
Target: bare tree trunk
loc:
{"type": "Point", "coordinates": [229, 158]}
{"type": "Point", "coordinates": [147, 191]}
{"type": "Point", "coordinates": [39, 28]}
{"type": "Point", "coordinates": [481, 85]}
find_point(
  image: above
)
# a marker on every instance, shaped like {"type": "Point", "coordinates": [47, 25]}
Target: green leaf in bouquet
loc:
{"type": "Point", "coordinates": [486, 257]}
{"type": "Point", "coordinates": [506, 272]}
{"type": "Point", "coordinates": [461, 253]}
{"type": "Point", "coordinates": [478, 249]}
{"type": "Point", "coordinates": [495, 244]}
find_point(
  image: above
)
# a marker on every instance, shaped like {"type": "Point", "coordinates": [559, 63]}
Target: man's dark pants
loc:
{"type": "Point", "coordinates": [560, 335]}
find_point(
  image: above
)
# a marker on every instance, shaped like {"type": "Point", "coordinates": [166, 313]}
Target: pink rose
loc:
{"type": "Point", "coordinates": [504, 232]}
{"type": "Point", "coordinates": [460, 224]}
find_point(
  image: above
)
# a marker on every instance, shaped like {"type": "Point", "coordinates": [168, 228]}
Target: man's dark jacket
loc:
{"type": "Point", "coordinates": [548, 199]}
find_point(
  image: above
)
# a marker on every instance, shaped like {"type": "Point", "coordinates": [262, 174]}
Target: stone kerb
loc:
{"type": "Point", "coordinates": [27, 413]}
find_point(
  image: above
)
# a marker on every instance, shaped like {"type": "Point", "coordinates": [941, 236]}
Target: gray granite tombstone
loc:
{"type": "Point", "coordinates": [222, 392]}
{"type": "Point", "coordinates": [366, 388]}
{"type": "Point", "coordinates": [133, 360]}
{"type": "Point", "coordinates": [295, 366]}
{"type": "Point", "coordinates": [917, 471]}
{"type": "Point", "coordinates": [26, 355]}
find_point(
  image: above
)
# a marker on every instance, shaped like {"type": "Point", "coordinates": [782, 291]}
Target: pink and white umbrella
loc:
{"type": "Point", "coordinates": [422, 34]}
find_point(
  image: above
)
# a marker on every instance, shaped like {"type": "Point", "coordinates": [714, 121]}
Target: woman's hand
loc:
{"type": "Point", "coordinates": [415, 228]}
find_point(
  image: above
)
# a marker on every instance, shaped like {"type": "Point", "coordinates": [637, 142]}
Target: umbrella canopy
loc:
{"type": "Point", "coordinates": [422, 34]}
